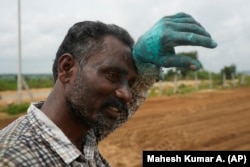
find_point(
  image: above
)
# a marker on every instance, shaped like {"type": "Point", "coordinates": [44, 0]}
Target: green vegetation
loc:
{"type": "Point", "coordinates": [9, 82]}
{"type": "Point", "coordinates": [205, 80]}
{"type": "Point", "coordinates": [13, 109]}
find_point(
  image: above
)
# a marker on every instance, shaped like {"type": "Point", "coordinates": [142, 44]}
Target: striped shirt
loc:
{"type": "Point", "coordinates": [34, 140]}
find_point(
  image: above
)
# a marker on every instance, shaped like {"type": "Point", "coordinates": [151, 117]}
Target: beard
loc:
{"type": "Point", "coordinates": [81, 106]}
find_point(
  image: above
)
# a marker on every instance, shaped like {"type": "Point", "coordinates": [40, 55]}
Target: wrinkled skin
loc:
{"type": "Point", "coordinates": [156, 46]}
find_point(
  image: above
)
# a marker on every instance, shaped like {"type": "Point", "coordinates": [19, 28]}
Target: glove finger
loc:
{"type": "Point", "coordinates": [179, 15]}
{"type": "Point", "coordinates": [188, 38]}
{"type": "Point", "coordinates": [187, 27]}
{"type": "Point", "coordinates": [183, 20]}
{"type": "Point", "coordinates": [180, 61]}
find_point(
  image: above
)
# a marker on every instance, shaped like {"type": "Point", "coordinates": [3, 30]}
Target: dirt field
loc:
{"type": "Point", "coordinates": [207, 120]}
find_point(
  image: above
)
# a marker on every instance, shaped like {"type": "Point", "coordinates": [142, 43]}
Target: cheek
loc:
{"type": "Point", "coordinates": [99, 85]}
{"type": "Point", "coordinates": [93, 94]}
{"type": "Point", "coordinates": [100, 91]}
{"type": "Point", "coordinates": [95, 88]}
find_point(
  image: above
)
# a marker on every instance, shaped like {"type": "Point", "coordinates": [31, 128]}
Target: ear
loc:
{"type": "Point", "coordinates": [66, 68]}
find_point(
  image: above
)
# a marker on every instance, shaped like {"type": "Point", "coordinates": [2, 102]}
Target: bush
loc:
{"type": "Point", "coordinates": [13, 109]}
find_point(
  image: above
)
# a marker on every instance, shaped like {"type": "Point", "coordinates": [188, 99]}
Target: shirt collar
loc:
{"type": "Point", "coordinates": [52, 134]}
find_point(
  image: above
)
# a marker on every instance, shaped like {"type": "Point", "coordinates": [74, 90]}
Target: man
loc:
{"type": "Point", "coordinates": [101, 78]}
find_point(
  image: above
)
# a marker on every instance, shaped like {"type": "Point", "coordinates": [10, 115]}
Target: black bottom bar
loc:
{"type": "Point", "coordinates": [196, 158]}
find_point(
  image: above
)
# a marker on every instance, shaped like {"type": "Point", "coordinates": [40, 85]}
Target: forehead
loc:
{"type": "Point", "coordinates": [114, 53]}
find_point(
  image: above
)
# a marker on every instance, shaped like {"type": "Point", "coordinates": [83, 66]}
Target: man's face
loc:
{"type": "Point", "coordinates": [102, 89]}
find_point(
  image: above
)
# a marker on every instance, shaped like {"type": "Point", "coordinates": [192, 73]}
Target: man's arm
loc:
{"type": "Point", "coordinates": [155, 49]}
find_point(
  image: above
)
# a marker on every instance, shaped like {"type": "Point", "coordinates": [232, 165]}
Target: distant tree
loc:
{"type": "Point", "coordinates": [169, 74]}
{"type": "Point", "coordinates": [192, 54]}
{"type": "Point", "coordinates": [228, 71]}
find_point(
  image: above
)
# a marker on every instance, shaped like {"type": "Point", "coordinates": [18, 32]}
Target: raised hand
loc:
{"type": "Point", "coordinates": [156, 46]}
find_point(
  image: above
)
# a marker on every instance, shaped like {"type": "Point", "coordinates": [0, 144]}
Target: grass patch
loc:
{"type": "Point", "coordinates": [8, 84]}
{"type": "Point", "coordinates": [13, 109]}
{"type": "Point", "coordinates": [184, 89]}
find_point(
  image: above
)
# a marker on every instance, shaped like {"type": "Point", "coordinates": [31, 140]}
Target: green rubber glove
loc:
{"type": "Point", "coordinates": [156, 46]}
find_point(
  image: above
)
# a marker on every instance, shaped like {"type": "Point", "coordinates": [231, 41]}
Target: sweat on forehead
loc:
{"type": "Point", "coordinates": [83, 36]}
{"type": "Point", "coordinates": [113, 53]}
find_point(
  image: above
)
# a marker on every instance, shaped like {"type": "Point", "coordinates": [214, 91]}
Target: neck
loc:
{"type": "Point", "coordinates": [55, 108]}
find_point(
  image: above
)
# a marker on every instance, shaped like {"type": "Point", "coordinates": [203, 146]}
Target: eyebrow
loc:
{"type": "Point", "coordinates": [118, 69]}
{"type": "Point", "coordinates": [121, 70]}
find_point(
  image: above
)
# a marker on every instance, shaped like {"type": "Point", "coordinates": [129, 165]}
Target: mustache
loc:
{"type": "Point", "coordinates": [114, 102]}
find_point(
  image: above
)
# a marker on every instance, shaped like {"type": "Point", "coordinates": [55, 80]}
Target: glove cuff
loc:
{"type": "Point", "coordinates": [149, 71]}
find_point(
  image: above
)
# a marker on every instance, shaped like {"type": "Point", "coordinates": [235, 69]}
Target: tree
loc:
{"type": "Point", "coordinates": [228, 71]}
{"type": "Point", "coordinates": [169, 74]}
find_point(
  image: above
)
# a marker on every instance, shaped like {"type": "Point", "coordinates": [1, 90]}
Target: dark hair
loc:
{"type": "Point", "coordinates": [85, 37]}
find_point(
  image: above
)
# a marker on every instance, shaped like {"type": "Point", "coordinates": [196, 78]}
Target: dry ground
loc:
{"type": "Point", "coordinates": [206, 120]}
{"type": "Point", "coordinates": [210, 120]}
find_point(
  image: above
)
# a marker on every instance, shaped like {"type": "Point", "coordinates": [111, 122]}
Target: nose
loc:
{"type": "Point", "coordinates": [124, 93]}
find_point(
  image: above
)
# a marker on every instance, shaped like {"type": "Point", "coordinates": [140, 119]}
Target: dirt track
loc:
{"type": "Point", "coordinates": [208, 120]}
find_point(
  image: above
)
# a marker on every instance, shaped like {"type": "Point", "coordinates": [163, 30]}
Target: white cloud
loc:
{"type": "Point", "coordinates": [45, 23]}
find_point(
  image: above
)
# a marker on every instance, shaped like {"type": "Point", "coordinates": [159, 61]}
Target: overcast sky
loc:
{"type": "Point", "coordinates": [45, 23]}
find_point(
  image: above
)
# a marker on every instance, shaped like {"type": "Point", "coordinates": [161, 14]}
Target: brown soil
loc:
{"type": "Point", "coordinates": [207, 120]}
{"type": "Point", "coordinates": [9, 97]}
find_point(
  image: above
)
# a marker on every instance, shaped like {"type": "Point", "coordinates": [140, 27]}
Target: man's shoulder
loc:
{"type": "Point", "coordinates": [16, 135]}
{"type": "Point", "coordinates": [21, 143]}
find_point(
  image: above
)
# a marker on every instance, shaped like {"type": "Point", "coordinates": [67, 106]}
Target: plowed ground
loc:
{"type": "Point", "coordinates": [206, 120]}
{"type": "Point", "coordinates": [211, 120]}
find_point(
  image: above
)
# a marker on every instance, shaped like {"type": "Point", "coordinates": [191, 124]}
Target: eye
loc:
{"type": "Point", "coordinates": [131, 83]}
{"type": "Point", "coordinates": [113, 76]}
